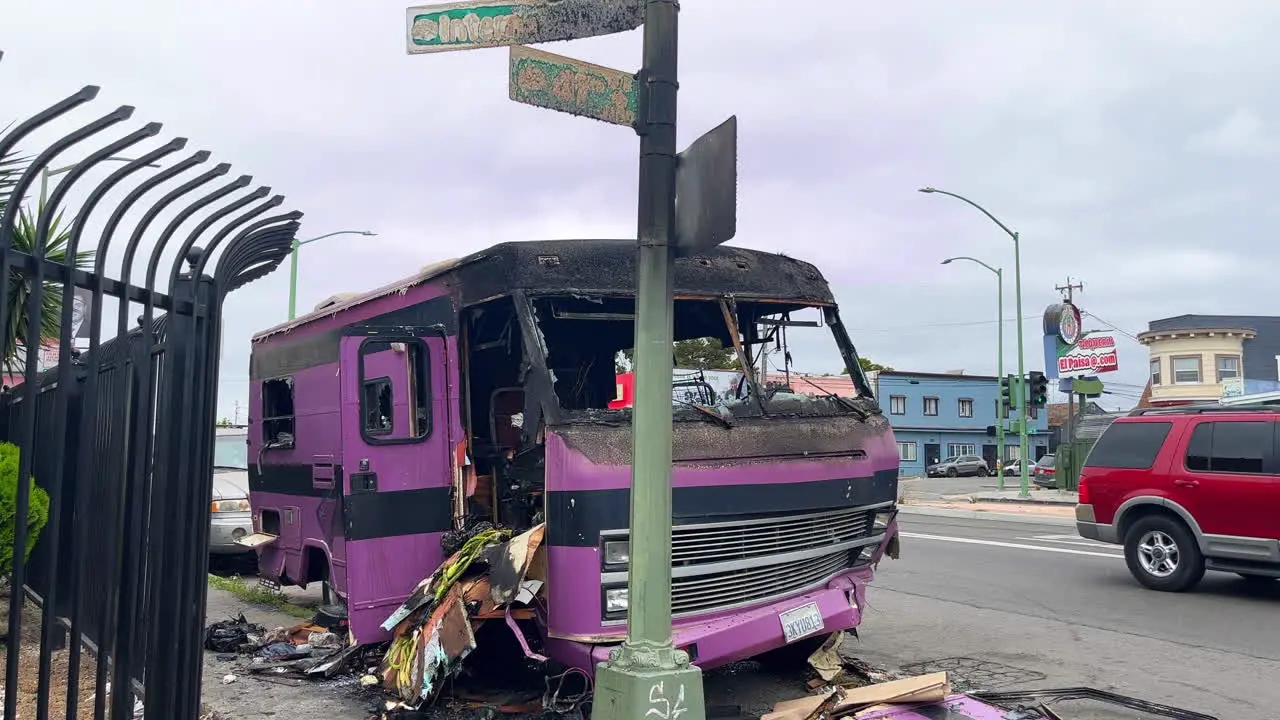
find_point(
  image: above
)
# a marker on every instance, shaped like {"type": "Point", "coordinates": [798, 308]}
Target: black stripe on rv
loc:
{"type": "Point", "coordinates": [284, 356]}
{"type": "Point", "coordinates": [575, 518]}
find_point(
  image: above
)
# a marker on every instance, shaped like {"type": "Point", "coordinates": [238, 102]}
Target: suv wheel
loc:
{"type": "Point", "coordinates": [1162, 554]}
{"type": "Point", "coordinates": [951, 472]}
{"type": "Point", "coordinates": [982, 472]}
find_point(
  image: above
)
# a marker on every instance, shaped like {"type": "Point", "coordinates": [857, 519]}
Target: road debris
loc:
{"type": "Point", "coordinates": [435, 629]}
{"type": "Point", "coordinates": [233, 635]}
{"type": "Point", "coordinates": [844, 701]}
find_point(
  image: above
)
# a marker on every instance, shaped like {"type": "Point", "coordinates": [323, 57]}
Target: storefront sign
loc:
{"type": "Point", "coordinates": [1092, 354]}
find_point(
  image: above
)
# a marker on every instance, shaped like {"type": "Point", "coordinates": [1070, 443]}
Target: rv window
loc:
{"type": "Point", "coordinates": [277, 412]}
{"type": "Point", "coordinates": [395, 390]}
{"type": "Point", "coordinates": [376, 406]}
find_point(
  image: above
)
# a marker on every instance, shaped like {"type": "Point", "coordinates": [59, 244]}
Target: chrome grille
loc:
{"type": "Point", "coordinates": [706, 593]}
{"type": "Point", "coordinates": [739, 540]}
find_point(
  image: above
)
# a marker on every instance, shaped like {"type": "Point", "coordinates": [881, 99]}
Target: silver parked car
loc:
{"type": "Point", "coordinates": [958, 465]}
{"type": "Point", "coordinates": [230, 518]}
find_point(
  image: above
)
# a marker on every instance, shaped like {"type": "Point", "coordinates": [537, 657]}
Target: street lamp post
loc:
{"type": "Point", "coordinates": [50, 172]}
{"type": "Point", "coordinates": [1024, 481]}
{"type": "Point", "coordinates": [999, 272]}
{"type": "Point", "coordinates": [293, 264]}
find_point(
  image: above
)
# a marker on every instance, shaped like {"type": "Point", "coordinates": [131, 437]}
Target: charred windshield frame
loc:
{"type": "Point", "coordinates": [574, 339]}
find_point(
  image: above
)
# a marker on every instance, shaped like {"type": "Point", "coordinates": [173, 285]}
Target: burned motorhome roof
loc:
{"type": "Point", "coordinates": [609, 266]}
{"type": "Point", "coordinates": [600, 267]}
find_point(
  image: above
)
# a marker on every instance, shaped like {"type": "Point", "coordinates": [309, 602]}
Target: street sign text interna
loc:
{"type": "Point", "coordinates": [492, 23]}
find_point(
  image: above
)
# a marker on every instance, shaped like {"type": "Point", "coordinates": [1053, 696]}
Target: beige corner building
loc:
{"type": "Point", "coordinates": [1199, 358]}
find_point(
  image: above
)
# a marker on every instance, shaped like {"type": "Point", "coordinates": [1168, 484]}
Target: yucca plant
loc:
{"type": "Point", "coordinates": [21, 286]}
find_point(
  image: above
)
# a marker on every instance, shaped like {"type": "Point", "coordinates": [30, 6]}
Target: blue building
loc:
{"type": "Point", "coordinates": [936, 415]}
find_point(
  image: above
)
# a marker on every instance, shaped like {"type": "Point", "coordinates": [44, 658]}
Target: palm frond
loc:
{"type": "Point", "coordinates": [21, 287]}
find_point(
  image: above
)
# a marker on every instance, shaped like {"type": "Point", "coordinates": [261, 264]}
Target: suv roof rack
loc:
{"type": "Point", "coordinates": [1269, 406]}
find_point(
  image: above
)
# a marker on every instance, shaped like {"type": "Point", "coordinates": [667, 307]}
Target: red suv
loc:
{"type": "Point", "coordinates": [1185, 490]}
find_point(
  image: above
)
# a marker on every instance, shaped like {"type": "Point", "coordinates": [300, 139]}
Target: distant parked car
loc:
{"type": "Point", "coordinates": [958, 465]}
{"type": "Point", "coordinates": [1045, 472]}
{"type": "Point", "coordinates": [1013, 467]}
{"type": "Point", "coordinates": [229, 516]}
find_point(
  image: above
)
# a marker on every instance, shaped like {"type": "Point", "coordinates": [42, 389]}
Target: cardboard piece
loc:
{"type": "Point", "coordinates": [934, 687]}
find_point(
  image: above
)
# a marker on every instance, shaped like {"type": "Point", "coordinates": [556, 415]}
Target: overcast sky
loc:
{"type": "Point", "coordinates": [1132, 144]}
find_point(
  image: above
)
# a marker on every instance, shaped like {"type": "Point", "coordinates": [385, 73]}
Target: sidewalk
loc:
{"type": "Point", "coordinates": [251, 697]}
{"type": "Point", "coordinates": [1055, 507]}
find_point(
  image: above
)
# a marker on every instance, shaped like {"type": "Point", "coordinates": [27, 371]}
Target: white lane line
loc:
{"type": "Point", "coordinates": [1015, 546]}
{"type": "Point", "coordinates": [1079, 542]}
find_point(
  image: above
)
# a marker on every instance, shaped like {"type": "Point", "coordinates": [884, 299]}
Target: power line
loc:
{"type": "Point", "coordinates": [1126, 333]}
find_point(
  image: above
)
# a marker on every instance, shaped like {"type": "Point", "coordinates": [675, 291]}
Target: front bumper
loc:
{"type": "Point", "coordinates": [746, 634]}
{"type": "Point", "coordinates": [225, 529]}
{"type": "Point", "coordinates": [1088, 527]}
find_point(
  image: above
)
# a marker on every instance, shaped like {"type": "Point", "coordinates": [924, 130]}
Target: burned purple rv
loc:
{"type": "Point", "coordinates": [479, 390]}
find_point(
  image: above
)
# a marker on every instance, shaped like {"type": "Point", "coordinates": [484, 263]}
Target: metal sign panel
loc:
{"type": "Point", "coordinates": [572, 86]}
{"type": "Point", "coordinates": [493, 23]}
{"type": "Point", "coordinates": [707, 190]}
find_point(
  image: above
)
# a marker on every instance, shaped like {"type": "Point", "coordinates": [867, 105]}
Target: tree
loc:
{"type": "Point", "coordinates": [20, 286]}
{"type": "Point", "coordinates": [696, 354]}
{"type": "Point", "coordinates": [867, 366]}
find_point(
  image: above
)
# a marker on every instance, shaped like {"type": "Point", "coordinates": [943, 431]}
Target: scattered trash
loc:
{"type": "Point", "coordinates": [369, 681]}
{"type": "Point", "coordinates": [139, 710]}
{"type": "Point", "coordinates": [233, 635]}
{"type": "Point", "coordinates": [228, 679]}
{"type": "Point", "coordinates": [842, 701]}
{"type": "Point", "coordinates": [434, 630]}
{"type": "Point", "coordinates": [826, 660]}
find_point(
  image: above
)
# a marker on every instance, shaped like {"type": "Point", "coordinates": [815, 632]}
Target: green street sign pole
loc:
{"type": "Point", "coordinates": [1024, 479]}
{"type": "Point", "coordinates": [293, 264]}
{"type": "Point", "coordinates": [647, 675]}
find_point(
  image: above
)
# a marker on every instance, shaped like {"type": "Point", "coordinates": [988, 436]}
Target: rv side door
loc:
{"type": "Point", "coordinates": [396, 499]}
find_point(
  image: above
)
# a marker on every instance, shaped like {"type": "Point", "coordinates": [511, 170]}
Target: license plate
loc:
{"type": "Point", "coordinates": [801, 622]}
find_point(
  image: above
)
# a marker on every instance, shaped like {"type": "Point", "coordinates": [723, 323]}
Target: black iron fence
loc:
{"type": "Point", "coordinates": [118, 435]}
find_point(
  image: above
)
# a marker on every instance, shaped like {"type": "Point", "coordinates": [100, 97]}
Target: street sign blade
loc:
{"type": "Point", "coordinates": [707, 190]}
{"type": "Point", "coordinates": [493, 23]}
{"type": "Point", "coordinates": [555, 82]}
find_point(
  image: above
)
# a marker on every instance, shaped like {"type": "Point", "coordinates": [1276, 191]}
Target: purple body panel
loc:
{"type": "Point", "coordinates": [373, 575]}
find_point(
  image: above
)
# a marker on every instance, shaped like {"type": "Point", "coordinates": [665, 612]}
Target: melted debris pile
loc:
{"type": "Point", "coordinates": [435, 629]}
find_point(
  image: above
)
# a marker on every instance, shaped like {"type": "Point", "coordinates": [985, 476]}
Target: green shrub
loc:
{"type": "Point", "coordinates": [38, 509]}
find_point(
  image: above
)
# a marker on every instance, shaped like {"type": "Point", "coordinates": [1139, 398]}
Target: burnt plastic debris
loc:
{"type": "Point", "coordinates": [232, 635]}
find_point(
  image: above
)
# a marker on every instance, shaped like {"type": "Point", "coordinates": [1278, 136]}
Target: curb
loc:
{"type": "Point", "coordinates": [985, 515]}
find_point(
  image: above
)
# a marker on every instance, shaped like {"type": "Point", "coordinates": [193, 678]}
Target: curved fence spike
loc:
{"type": "Point", "coordinates": [262, 255]}
{"type": "Point", "coordinates": [199, 257]}
{"type": "Point", "coordinates": [253, 227]}
{"type": "Point", "coordinates": [44, 117]}
{"type": "Point", "coordinates": [153, 264]}
{"type": "Point", "coordinates": [204, 225]}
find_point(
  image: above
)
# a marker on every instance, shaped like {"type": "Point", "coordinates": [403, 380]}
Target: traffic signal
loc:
{"type": "Point", "coordinates": [1039, 389]}
{"type": "Point", "coordinates": [1006, 396]}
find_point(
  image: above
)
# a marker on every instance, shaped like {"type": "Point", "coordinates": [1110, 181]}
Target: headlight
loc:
{"type": "Point", "coordinates": [225, 506]}
{"type": "Point", "coordinates": [617, 552]}
{"type": "Point", "coordinates": [882, 521]}
{"type": "Point", "coordinates": [615, 601]}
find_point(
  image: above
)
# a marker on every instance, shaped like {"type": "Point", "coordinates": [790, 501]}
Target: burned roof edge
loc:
{"type": "Point", "coordinates": [616, 256]}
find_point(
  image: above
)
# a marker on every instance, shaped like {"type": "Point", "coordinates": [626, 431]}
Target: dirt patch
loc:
{"type": "Point", "coordinates": [60, 664]}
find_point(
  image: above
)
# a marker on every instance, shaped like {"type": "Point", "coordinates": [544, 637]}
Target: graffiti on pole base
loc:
{"type": "Point", "coordinates": [555, 82]}
{"type": "Point", "coordinates": [495, 23]}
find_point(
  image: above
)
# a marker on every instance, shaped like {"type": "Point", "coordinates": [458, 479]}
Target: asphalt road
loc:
{"type": "Point", "coordinates": [1041, 601]}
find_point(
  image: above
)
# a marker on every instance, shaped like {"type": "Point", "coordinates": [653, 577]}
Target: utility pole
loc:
{"type": "Point", "coordinates": [1066, 290]}
{"type": "Point", "coordinates": [647, 675]}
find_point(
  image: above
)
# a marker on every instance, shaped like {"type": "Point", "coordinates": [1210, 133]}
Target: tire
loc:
{"type": "Point", "coordinates": [951, 472]}
{"type": "Point", "coordinates": [1163, 555]}
{"type": "Point", "coordinates": [982, 472]}
{"type": "Point", "coordinates": [793, 656]}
